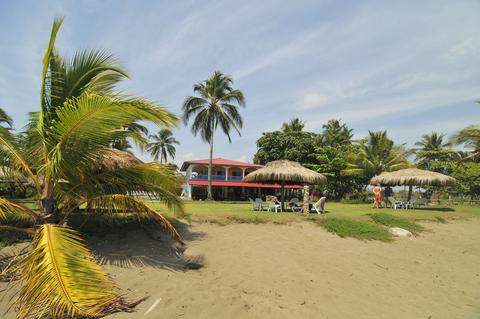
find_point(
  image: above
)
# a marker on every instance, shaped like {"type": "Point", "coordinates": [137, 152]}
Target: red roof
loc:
{"type": "Point", "coordinates": [220, 162]}
{"type": "Point", "coordinates": [239, 184]}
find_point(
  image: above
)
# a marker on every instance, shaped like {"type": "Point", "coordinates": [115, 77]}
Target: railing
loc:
{"type": "Point", "coordinates": [204, 177]}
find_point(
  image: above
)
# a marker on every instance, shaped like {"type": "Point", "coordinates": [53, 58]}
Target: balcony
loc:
{"type": "Point", "coordinates": [204, 177]}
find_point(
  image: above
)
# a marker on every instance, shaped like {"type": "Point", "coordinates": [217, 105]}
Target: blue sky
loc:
{"type": "Point", "coordinates": [406, 66]}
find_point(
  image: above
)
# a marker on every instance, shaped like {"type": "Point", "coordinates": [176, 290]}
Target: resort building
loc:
{"type": "Point", "coordinates": [227, 180]}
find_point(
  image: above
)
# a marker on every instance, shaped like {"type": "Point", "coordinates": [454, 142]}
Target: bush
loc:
{"type": "Point", "coordinates": [354, 228]}
{"type": "Point", "coordinates": [395, 221]}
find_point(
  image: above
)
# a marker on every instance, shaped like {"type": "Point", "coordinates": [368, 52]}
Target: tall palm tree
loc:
{"type": "Point", "coordinates": [163, 143]}
{"type": "Point", "coordinates": [376, 154]}
{"type": "Point", "coordinates": [68, 140]}
{"type": "Point", "coordinates": [295, 125]}
{"type": "Point", "coordinates": [432, 148]}
{"type": "Point", "coordinates": [216, 106]}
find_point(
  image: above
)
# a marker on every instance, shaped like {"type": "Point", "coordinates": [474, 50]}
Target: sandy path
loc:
{"type": "Point", "coordinates": [301, 271]}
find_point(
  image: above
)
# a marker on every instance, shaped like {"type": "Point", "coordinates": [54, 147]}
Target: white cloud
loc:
{"type": "Point", "coordinates": [313, 100]}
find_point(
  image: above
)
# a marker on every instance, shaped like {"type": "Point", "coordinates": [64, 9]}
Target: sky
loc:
{"type": "Point", "coordinates": [408, 67]}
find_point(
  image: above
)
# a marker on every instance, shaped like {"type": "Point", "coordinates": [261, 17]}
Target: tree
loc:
{"type": "Point", "coordinates": [292, 146]}
{"type": "Point", "coordinates": [336, 134]}
{"type": "Point", "coordinates": [295, 125]}
{"type": "Point", "coordinates": [217, 105]}
{"type": "Point", "coordinates": [163, 143]}
{"type": "Point", "coordinates": [470, 138]}
{"type": "Point", "coordinates": [5, 119]}
{"type": "Point", "coordinates": [376, 154]}
{"type": "Point", "coordinates": [432, 149]}
{"type": "Point", "coordinates": [468, 178]}
{"type": "Point", "coordinates": [69, 144]}
{"type": "Point", "coordinates": [139, 131]}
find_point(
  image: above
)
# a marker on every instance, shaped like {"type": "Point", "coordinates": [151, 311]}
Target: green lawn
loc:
{"type": "Point", "coordinates": [225, 212]}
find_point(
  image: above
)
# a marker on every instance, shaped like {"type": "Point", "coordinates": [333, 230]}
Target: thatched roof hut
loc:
{"type": "Point", "coordinates": [413, 177]}
{"type": "Point", "coordinates": [115, 159]}
{"type": "Point", "coordinates": [285, 172]}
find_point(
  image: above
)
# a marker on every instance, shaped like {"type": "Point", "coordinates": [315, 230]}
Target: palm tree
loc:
{"type": "Point", "coordinates": [163, 143]}
{"type": "Point", "coordinates": [336, 134]}
{"type": "Point", "coordinates": [432, 147]}
{"type": "Point", "coordinates": [376, 154]}
{"type": "Point", "coordinates": [432, 142]}
{"type": "Point", "coordinates": [295, 125]}
{"type": "Point", "coordinates": [470, 138]}
{"type": "Point", "coordinates": [216, 105]}
{"type": "Point", "coordinates": [69, 140]}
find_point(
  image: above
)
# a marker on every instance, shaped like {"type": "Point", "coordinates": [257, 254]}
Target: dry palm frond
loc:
{"type": "Point", "coordinates": [8, 207]}
{"type": "Point", "coordinates": [119, 203]}
{"type": "Point", "coordinates": [60, 279]}
{"type": "Point", "coordinates": [413, 177]}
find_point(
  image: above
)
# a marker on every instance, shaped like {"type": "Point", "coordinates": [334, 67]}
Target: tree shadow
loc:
{"type": "Point", "coordinates": [149, 246]}
{"type": "Point", "coordinates": [435, 209]}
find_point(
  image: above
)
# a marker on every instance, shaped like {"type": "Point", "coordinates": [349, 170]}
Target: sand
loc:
{"type": "Point", "coordinates": [298, 271]}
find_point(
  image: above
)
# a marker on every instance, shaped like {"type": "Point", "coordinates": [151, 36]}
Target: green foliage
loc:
{"type": "Point", "coordinates": [396, 221]}
{"type": "Point", "coordinates": [295, 125]}
{"type": "Point", "coordinates": [470, 138]}
{"type": "Point", "coordinates": [376, 154]}
{"type": "Point", "coordinates": [355, 228]}
{"type": "Point", "coordinates": [468, 178]}
{"type": "Point", "coordinates": [331, 161]}
{"type": "Point", "coordinates": [293, 146]}
{"type": "Point", "coordinates": [336, 134]}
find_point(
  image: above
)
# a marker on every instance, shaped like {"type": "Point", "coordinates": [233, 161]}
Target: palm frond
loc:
{"type": "Point", "coordinates": [120, 203]}
{"type": "Point", "coordinates": [59, 278]}
{"type": "Point", "coordinates": [8, 207]}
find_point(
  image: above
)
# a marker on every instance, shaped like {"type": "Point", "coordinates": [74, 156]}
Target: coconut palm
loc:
{"type": "Point", "coordinates": [216, 106]}
{"type": "Point", "coordinates": [470, 138]}
{"type": "Point", "coordinates": [433, 148]}
{"type": "Point", "coordinates": [432, 142]}
{"type": "Point", "coordinates": [69, 142]}
{"type": "Point", "coordinates": [163, 143]}
{"type": "Point", "coordinates": [376, 154]}
{"type": "Point", "coordinates": [295, 125]}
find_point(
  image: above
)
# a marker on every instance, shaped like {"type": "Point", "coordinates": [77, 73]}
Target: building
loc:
{"type": "Point", "coordinates": [227, 184]}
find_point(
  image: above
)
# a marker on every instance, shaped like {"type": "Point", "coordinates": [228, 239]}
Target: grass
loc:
{"type": "Point", "coordinates": [358, 229]}
{"type": "Point", "coordinates": [390, 220]}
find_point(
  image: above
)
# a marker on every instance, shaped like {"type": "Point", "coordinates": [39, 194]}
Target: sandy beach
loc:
{"type": "Point", "coordinates": [297, 271]}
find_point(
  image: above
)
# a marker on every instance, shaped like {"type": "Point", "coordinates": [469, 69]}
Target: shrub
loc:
{"type": "Point", "coordinates": [396, 221]}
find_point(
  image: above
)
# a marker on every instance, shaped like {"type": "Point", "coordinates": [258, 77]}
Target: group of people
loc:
{"type": "Point", "coordinates": [377, 190]}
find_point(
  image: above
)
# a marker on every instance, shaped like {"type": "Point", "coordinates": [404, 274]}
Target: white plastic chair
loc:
{"type": "Point", "coordinates": [319, 206]}
{"type": "Point", "coordinates": [273, 206]}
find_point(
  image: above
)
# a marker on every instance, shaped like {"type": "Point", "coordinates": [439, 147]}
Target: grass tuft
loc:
{"type": "Point", "coordinates": [440, 219]}
{"type": "Point", "coordinates": [396, 221]}
{"type": "Point", "coordinates": [354, 228]}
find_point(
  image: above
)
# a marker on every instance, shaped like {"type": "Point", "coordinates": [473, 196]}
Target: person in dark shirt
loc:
{"type": "Point", "coordinates": [388, 192]}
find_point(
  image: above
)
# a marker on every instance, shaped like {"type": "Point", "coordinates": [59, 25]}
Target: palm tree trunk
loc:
{"type": "Point", "coordinates": [410, 189]}
{"type": "Point", "coordinates": [306, 197]}
{"type": "Point", "coordinates": [209, 187]}
{"type": "Point", "coordinates": [47, 202]}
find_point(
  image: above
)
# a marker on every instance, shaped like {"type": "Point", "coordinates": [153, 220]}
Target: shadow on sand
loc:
{"type": "Point", "coordinates": [150, 246]}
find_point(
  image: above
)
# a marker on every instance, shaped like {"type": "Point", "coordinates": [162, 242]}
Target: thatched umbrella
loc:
{"type": "Point", "coordinates": [411, 177]}
{"type": "Point", "coordinates": [115, 159]}
{"type": "Point", "coordinates": [285, 173]}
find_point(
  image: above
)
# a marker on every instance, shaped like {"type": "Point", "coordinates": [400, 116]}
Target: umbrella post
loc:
{"type": "Point", "coordinates": [410, 189]}
{"type": "Point", "coordinates": [306, 196]}
{"type": "Point", "coordinates": [283, 195]}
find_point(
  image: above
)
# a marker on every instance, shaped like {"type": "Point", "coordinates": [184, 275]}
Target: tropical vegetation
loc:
{"type": "Point", "coordinates": [69, 161]}
{"type": "Point", "coordinates": [163, 144]}
{"type": "Point", "coordinates": [217, 105]}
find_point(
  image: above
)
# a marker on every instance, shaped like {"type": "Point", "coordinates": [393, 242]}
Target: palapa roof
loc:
{"type": "Point", "coordinates": [413, 177]}
{"type": "Point", "coordinates": [287, 172]}
{"type": "Point", "coordinates": [115, 159]}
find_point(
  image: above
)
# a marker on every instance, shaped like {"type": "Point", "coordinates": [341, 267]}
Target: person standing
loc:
{"type": "Point", "coordinates": [377, 190]}
{"type": "Point", "coordinates": [387, 193]}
